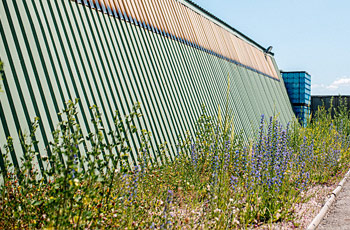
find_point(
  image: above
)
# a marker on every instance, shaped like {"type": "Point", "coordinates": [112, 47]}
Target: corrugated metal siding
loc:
{"type": "Point", "coordinates": [59, 50]}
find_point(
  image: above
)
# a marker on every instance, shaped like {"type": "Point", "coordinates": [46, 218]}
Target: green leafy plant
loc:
{"type": "Point", "coordinates": [217, 180]}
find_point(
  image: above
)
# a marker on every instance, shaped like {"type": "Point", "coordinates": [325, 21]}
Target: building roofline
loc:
{"type": "Point", "coordinates": [220, 22]}
{"type": "Point", "coordinates": [295, 72]}
{"type": "Point", "coordinates": [331, 95]}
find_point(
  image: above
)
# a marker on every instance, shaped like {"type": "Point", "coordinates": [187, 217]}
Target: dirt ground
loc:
{"type": "Point", "coordinates": [306, 211]}
{"type": "Point", "coordinates": [339, 215]}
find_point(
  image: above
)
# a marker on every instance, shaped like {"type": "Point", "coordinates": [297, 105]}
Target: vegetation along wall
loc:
{"type": "Point", "coordinates": [171, 56]}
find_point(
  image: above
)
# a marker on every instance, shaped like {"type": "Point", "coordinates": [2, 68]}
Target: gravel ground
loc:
{"type": "Point", "coordinates": [339, 215]}
{"type": "Point", "coordinates": [305, 212]}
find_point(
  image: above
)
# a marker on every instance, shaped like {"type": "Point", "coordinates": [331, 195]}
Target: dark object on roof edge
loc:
{"type": "Point", "coordinates": [224, 23]}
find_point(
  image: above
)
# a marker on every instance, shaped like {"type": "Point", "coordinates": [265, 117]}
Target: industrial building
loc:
{"type": "Point", "coordinates": [172, 56]}
{"type": "Point", "coordinates": [298, 85]}
{"type": "Point", "coordinates": [329, 101]}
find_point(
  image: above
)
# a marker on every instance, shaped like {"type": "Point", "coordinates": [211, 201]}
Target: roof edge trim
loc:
{"type": "Point", "coordinates": [295, 71]}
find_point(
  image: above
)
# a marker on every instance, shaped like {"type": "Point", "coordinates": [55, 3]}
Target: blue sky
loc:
{"type": "Point", "coordinates": [308, 35]}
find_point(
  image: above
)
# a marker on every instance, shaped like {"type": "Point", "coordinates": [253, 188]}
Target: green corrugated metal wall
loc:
{"type": "Point", "coordinates": [54, 51]}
